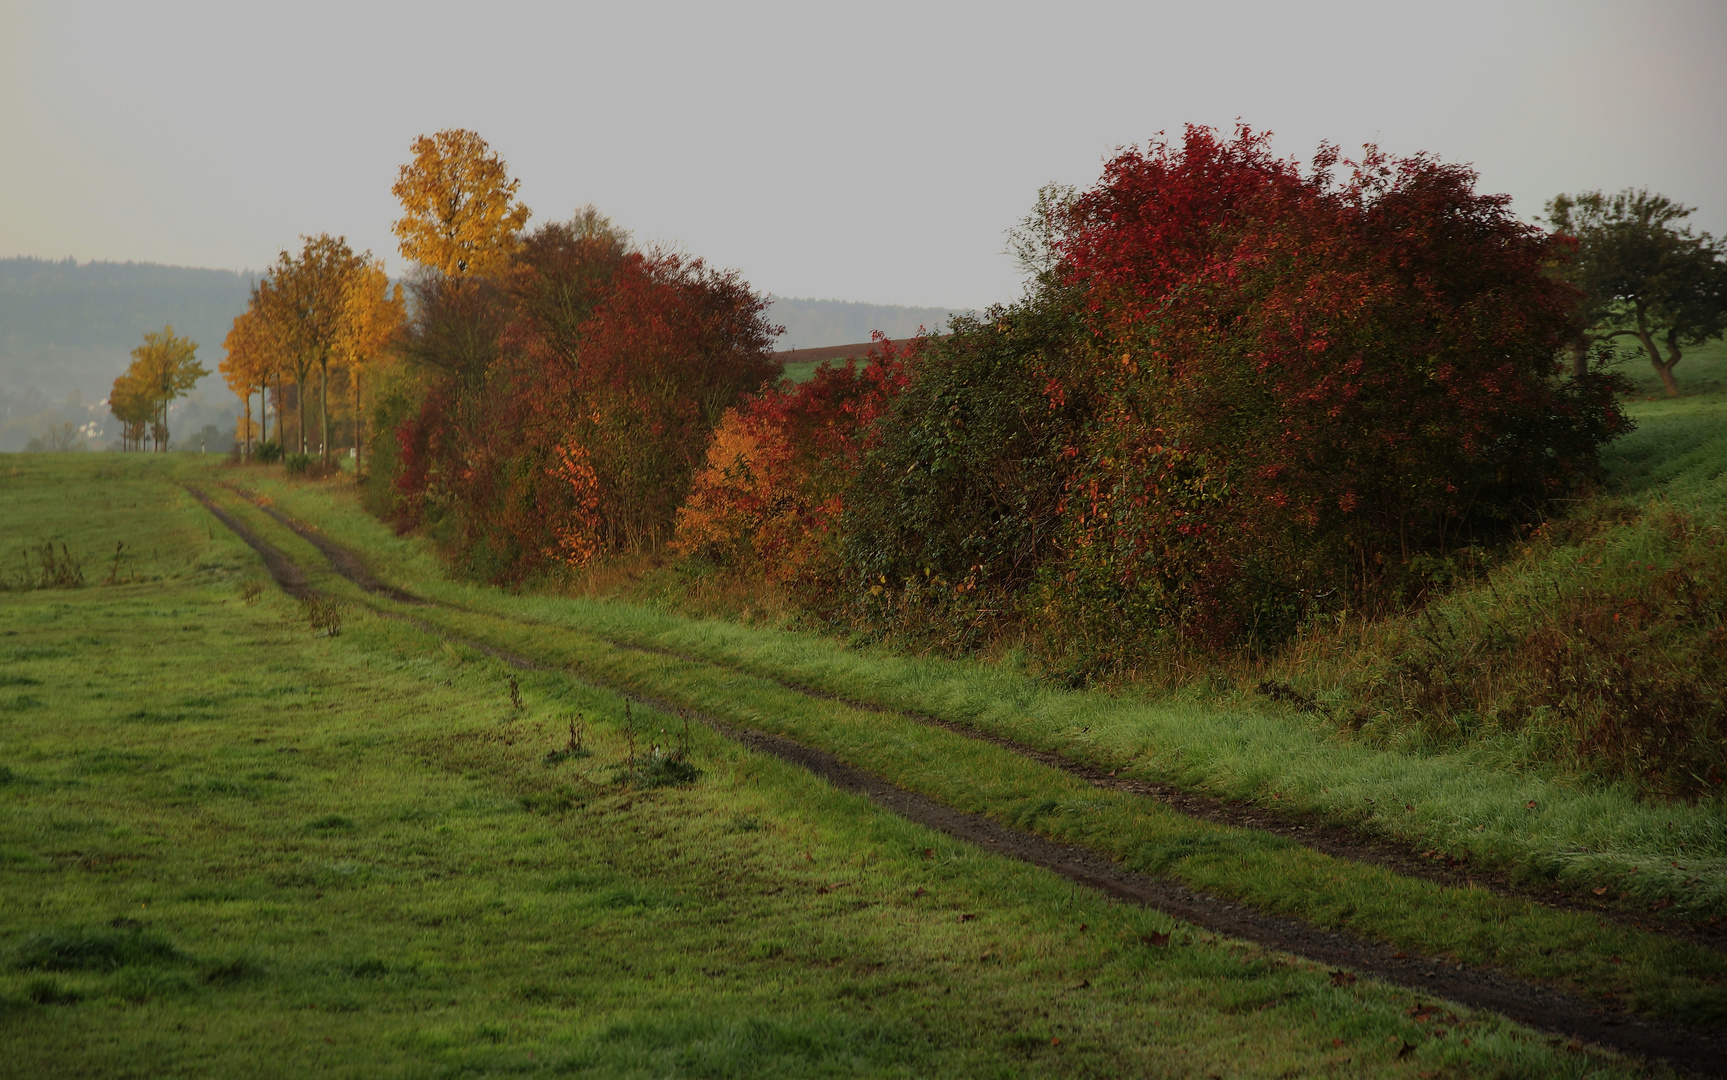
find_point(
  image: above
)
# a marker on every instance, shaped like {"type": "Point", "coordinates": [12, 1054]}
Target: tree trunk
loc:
{"type": "Point", "coordinates": [246, 443]}
{"type": "Point", "coordinates": [300, 407]}
{"type": "Point", "coordinates": [1579, 350]}
{"type": "Point", "coordinates": [1663, 369]}
{"type": "Point", "coordinates": [356, 424]}
{"type": "Point", "coordinates": [324, 409]}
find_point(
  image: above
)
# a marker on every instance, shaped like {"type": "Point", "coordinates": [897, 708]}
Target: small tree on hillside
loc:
{"type": "Point", "coordinates": [129, 401]}
{"type": "Point", "coordinates": [1643, 274]}
{"type": "Point", "coordinates": [167, 367]}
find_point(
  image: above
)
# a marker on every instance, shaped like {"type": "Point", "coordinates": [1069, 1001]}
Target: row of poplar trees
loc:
{"type": "Point", "coordinates": [324, 308]}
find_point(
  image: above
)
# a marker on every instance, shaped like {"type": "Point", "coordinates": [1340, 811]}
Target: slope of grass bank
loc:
{"type": "Point", "coordinates": [234, 847]}
{"type": "Point", "coordinates": [1597, 651]}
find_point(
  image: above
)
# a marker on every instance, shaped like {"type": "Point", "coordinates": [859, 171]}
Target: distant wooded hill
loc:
{"type": "Point", "coordinates": [812, 324]}
{"type": "Point", "coordinates": [68, 328]}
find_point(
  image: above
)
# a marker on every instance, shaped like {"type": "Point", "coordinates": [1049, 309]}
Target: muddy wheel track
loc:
{"type": "Point", "coordinates": [1525, 1001]}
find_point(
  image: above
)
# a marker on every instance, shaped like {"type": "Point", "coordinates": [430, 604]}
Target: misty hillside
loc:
{"type": "Point", "coordinates": [811, 324]}
{"type": "Point", "coordinates": [68, 328]}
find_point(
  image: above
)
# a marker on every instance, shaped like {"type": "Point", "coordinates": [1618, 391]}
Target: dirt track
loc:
{"type": "Point", "coordinates": [1528, 1002]}
{"type": "Point", "coordinates": [1331, 840]}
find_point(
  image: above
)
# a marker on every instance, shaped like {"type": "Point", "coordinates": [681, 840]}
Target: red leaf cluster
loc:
{"type": "Point", "coordinates": [576, 399]}
{"type": "Point", "coordinates": [772, 490]}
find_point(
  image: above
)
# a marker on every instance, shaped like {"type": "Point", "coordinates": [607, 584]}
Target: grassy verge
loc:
{"type": "Point", "coordinates": [234, 847]}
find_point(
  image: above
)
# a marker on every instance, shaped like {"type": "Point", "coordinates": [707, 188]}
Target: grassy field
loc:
{"type": "Point", "coordinates": [229, 843]}
{"type": "Point", "coordinates": [233, 845]}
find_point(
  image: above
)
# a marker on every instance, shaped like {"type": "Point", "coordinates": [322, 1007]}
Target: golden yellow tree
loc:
{"type": "Point", "coordinates": [304, 299]}
{"type": "Point", "coordinates": [130, 403]}
{"type": "Point", "coordinates": [373, 314]}
{"type": "Point", "coordinates": [459, 209]}
{"type": "Point", "coordinates": [254, 357]}
{"type": "Point", "coordinates": [165, 367]}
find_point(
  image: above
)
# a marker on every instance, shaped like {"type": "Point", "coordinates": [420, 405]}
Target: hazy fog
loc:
{"type": "Point", "coordinates": [870, 152]}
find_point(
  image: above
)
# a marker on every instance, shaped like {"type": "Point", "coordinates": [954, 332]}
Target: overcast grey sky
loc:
{"type": "Point", "coordinates": [860, 151]}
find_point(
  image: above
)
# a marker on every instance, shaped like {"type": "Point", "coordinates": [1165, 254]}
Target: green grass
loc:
{"type": "Point", "coordinates": [1702, 370]}
{"type": "Point", "coordinates": [229, 846]}
{"type": "Point", "coordinates": [1469, 800]}
{"type": "Point", "coordinates": [801, 371]}
{"type": "Point", "coordinates": [1659, 976]}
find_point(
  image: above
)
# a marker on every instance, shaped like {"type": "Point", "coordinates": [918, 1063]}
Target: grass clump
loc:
{"type": "Point", "coordinates": [324, 614]}
{"type": "Point", "coordinates": [47, 568]}
{"type": "Point", "coordinates": [47, 991]}
{"type": "Point", "coordinates": [96, 950]}
{"type": "Point", "coordinates": [576, 748]}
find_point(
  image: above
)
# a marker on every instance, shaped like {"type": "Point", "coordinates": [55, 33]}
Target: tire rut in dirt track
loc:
{"type": "Point", "coordinates": [1521, 1000]}
{"type": "Point", "coordinates": [1336, 841]}
{"type": "Point", "coordinates": [283, 570]}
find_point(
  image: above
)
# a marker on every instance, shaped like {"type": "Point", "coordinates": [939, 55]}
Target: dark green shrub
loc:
{"type": "Point", "coordinates": [268, 453]}
{"type": "Point", "coordinates": [958, 502]}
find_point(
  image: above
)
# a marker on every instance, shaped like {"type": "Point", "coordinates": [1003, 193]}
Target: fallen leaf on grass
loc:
{"type": "Point", "coordinates": [1403, 1053]}
{"type": "Point", "coordinates": [1400, 956]}
{"type": "Point", "coordinates": [1602, 891]}
{"type": "Point", "coordinates": [825, 889]}
{"type": "Point", "coordinates": [1155, 939]}
{"type": "Point", "coordinates": [966, 916]}
{"type": "Point", "coordinates": [1343, 978]}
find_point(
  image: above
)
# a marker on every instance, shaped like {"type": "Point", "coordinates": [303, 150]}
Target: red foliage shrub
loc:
{"type": "Point", "coordinates": [771, 492]}
{"type": "Point", "coordinates": [1308, 389]}
{"type": "Point", "coordinates": [577, 431]}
